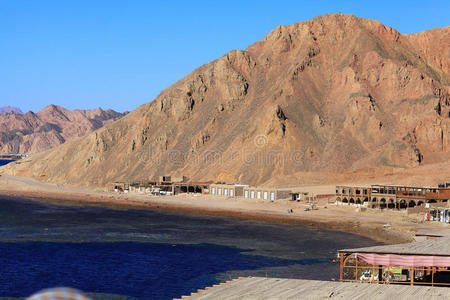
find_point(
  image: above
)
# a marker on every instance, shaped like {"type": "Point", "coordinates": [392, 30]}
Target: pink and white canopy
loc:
{"type": "Point", "coordinates": [404, 260]}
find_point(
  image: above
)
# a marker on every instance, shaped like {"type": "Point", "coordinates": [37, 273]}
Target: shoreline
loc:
{"type": "Point", "coordinates": [370, 230]}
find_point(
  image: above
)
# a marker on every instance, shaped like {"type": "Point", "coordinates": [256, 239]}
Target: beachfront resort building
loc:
{"type": "Point", "coordinates": [391, 196]}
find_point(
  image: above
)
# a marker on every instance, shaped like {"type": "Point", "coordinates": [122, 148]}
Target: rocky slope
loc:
{"type": "Point", "coordinates": [52, 126]}
{"type": "Point", "coordinates": [336, 94]}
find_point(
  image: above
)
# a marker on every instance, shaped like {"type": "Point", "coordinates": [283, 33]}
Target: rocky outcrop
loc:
{"type": "Point", "coordinates": [336, 93]}
{"type": "Point", "coordinates": [32, 133]}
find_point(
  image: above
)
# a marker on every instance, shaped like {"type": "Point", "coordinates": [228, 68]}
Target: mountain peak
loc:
{"type": "Point", "coordinates": [10, 109]}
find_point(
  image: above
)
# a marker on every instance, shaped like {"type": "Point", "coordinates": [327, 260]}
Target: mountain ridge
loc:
{"type": "Point", "coordinates": [35, 132]}
{"type": "Point", "coordinates": [10, 109]}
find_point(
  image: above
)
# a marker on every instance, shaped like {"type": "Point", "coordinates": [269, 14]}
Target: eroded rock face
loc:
{"type": "Point", "coordinates": [32, 133]}
{"type": "Point", "coordinates": [335, 93]}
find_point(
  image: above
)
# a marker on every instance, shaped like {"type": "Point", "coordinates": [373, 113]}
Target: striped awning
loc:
{"type": "Point", "coordinates": [404, 260]}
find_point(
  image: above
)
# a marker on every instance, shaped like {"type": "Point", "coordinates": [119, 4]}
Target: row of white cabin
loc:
{"type": "Point", "coordinates": [245, 191]}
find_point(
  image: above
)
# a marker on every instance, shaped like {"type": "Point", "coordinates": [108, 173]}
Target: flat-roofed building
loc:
{"type": "Point", "coordinates": [299, 196]}
{"type": "Point", "coordinates": [227, 190]}
{"type": "Point", "coordinates": [390, 196]}
{"type": "Point", "coordinates": [191, 188]}
{"type": "Point", "coordinates": [118, 187]}
{"type": "Point", "coordinates": [171, 178]}
{"type": "Point", "coordinates": [353, 195]}
{"type": "Point", "coordinates": [269, 194]}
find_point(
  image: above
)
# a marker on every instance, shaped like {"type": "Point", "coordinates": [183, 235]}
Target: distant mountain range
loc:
{"type": "Point", "coordinates": [52, 126]}
{"type": "Point", "coordinates": [334, 94]}
{"type": "Point", "coordinates": [10, 109]}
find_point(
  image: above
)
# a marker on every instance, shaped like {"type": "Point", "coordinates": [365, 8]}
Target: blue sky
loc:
{"type": "Point", "coordinates": [121, 54]}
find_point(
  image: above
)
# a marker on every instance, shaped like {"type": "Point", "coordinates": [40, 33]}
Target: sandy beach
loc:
{"type": "Point", "coordinates": [368, 223]}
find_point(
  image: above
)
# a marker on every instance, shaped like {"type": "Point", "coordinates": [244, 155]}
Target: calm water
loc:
{"type": "Point", "coordinates": [5, 162]}
{"type": "Point", "coordinates": [133, 254]}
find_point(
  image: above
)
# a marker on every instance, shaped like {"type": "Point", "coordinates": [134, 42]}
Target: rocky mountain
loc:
{"type": "Point", "coordinates": [10, 109]}
{"type": "Point", "coordinates": [336, 94]}
{"type": "Point", "coordinates": [52, 126]}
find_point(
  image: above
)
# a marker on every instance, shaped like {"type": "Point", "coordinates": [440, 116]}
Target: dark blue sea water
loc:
{"type": "Point", "coordinates": [5, 162]}
{"type": "Point", "coordinates": [114, 253]}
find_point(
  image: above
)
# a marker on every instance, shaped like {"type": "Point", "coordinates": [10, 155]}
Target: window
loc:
{"type": "Point", "coordinates": [265, 195]}
{"type": "Point", "coordinates": [272, 196]}
{"type": "Point", "coordinates": [252, 194]}
{"type": "Point", "coordinates": [231, 193]}
{"type": "Point", "coordinates": [213, 191]}
{"type": "Point", "coordinates": [225, 192]}
{"type": "Point", "coordinates": [219, 192]}
{"type": "Point", "coordinates": [258, 195]}
{"type": "Point", "coordinates": [245, 194]}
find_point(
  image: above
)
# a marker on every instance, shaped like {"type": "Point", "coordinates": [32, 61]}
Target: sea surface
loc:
{"type": "Point", "coordinates": [5, 162]}
{"type": "Point", "coordinates": [116, 253]}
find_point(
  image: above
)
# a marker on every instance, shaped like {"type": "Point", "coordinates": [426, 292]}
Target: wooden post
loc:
{"type": "Point", "coordinates": [411, 274]}
{"type": "Point", "coordinates": [432, 275]}
{"type": "Point", "coordinates": [380, 273]}
{"type": "Point", "coordinates": [356, 267]}
{"type": "Point", "coordinates": [341, 256]}
{"type": "Point", "coordinates": [373, 274]}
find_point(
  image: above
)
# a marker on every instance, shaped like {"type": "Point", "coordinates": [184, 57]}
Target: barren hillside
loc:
{"type": "Point", "coordinates": [50, 127]}
{"type": "Point", "coordinates": [333, 94]}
